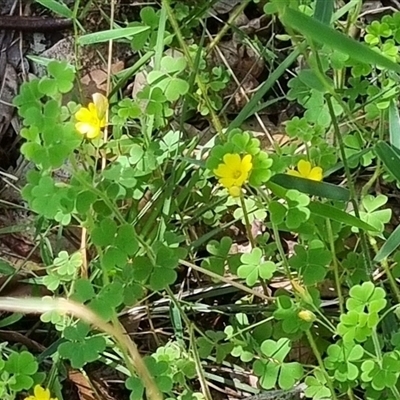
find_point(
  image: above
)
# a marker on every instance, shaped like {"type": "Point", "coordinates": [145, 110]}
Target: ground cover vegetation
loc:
{"type": "Point", "coordinates": [242, 259]}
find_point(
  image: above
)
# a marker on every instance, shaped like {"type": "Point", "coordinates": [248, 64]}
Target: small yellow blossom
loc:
{"type": "Point", "coordinates": [40, 393]}
{"type": "Point", "coordinates": [306, 315]}
{"type": "Point", "coordinates": [304, 170]}
{"type": "Point", "coordinates": [93, 118]}
{"type": "Point", "coordinates": [234, 172]}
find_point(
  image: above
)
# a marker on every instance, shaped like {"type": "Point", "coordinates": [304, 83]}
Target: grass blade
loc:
{"type": "Point", "coordinates": [394, 125]}
{"type": "Point", "coordinates": [389, 157]}
{"type": "Point", "coordinates": [313, 188]}
{"type": "Point", "coordinates": [333, 213]}
{"type": "Point", "coordinates": [57, 7]}
{"type": "Point", "coordinates": [324, 11]}
{"type": "Point", "coordinates": [324, 34]}
{"type": "Point", "coordinates": [250, 108]}
{"type": "Point", "coordinates": [391, 244]}
{"type": "Point", "coordinates": [111, 34]}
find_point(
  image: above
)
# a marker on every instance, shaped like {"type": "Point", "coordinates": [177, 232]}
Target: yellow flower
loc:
{"type": "Point", "coordinates": [93, 118]}
{"type": "Point", "coordinates": [234, 172]}
{"type": "Point", "coordinates": [40, 394]}
{"type": "Point", "coordinates": [304, 170]}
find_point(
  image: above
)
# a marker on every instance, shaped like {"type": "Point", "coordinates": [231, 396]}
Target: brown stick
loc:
{"type": "Point", "coordinates": [34, 24]}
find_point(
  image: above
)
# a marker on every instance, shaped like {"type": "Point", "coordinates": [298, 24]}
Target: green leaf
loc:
{"type": "Point", "coordinates": [314, 188]}
{"type": "Point", "coordinates": [311, 79]}
{"type": "Point", "coordinates": [312, 263]}
{"type": "Point", "coordinates": [394, 124]}
{"type": "Point", "coordinates": [390, 158]}
{"type": "Point", "coordinates": [323, 11]}
{"type": "Point", "coordinates": [326, 35]}
{"type": "Point", "coordinates": [111, 34]}
{"type": "Point", "coordinates": [57, 7]}
{"type": "Point", "coordinates": [391, 244]}
{"type": "Point", "coordinates": [333, 213]}
{"type": "Point", "coordinates": [252, 106]}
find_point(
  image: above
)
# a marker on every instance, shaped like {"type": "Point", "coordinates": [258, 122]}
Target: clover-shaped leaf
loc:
{"type": "Point", "coordinates": [367, 296]}
{"type": "Point", "coordinates": [214, 341]}
{"type": "Point", "coordinates": [136, 387]}
{"type": "Point", "coordinates": [108, 299]}
{"type": "Point", "coordinates": [373, 216]}
{"type": "Point", "coordinates": [66, 264]}
{"type": "Point", "coordinates": [103, 234]}
{"type": "Point", "coordinates": [356, 325]}
{"type": "Point", "coordinates": [22, 366]}
{"type": "Point", "coordinates": [275, 370]}
{"type": "Point", "coordinates": [254, 267]}
{"type": "Point", "coordinates": [63, 73]}
{"type": "Point", "coordinates": [79, 348]}
{"type": "Point", "coordinates": [311, 263]}
{"type": "Point", "coordinates": [219, 251]}
{"type": "Point", "coordinates": [383, 374]}
{"type": "Point", "coordinates": [341, 358]}
{"type": "Point", "coordinates": [316, 386]}
{"type": "Point", "coordinates": [261, 171]}
{"type": "Point", "coordinates": [243, 142]}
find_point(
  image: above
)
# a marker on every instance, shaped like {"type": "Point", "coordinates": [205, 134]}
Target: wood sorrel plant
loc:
{"type": "Point", "coordinates": [141, 212]}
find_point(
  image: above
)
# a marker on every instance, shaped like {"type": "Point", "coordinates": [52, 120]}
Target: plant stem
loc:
{"type": "Point", "coordinates": [353, 197]}
{"type": "Point", "coordinates": [250, 236]}
{"type": "Point", "coordinates": [174, 23]}
{"type": "Point", "coordinates": [378, 353]}
{"type": "Point", "coordinates": [385, 265]}
{"type": "Point", "coordinates": [226, 280]}
{"type": "Point", "coordinates": [281, 251]}
{"type": "Point", "coordinates": [247, 222]}
{"type": "Point", "coordinates": [335, 265]}
{"type": "Point", "coordinates": [317, 354]}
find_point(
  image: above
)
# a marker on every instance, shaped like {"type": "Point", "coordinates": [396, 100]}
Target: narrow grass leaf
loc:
{"type": "Point", "coordinates": [128, 73]}
{"type": "Point", "coordinates": [323, 11]}
{"type": "Point", "coordinates": [333, 213]}
{"type": "Point", "coordinates": [394, 125]}
{"type": "Point", "coordinates": [324, 34]}
{"type": "Point", "coordinates": [11, 319]}
{"type": "Point", "coordinates": [58, 7]}
{"type": "Point", "coordinates": [391, 244]}
{"type": "Point", "coordinates": [250, 108]}
{"type": "Point", "coordinates": [313, 188]}
{"type": "Point", "coordinates": [345, 9]}
{"type": "Point", "coordinates": [111, 34]}
{"type": "Point", "coordinates": [389, 157]}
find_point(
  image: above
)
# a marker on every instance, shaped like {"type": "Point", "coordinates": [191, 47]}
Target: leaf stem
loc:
{"type": "Point", "coordinates": [317, 354]}
{"type": "Point", "coordinates": [353, 197]}
{"type": "Point", "coordinates": [335, 265]}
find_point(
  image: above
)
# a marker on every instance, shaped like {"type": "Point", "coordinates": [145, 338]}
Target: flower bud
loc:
{"type": "Point", "coordinates": [306, 315]}
{"type": "Point", "coordinates": [302, 292]}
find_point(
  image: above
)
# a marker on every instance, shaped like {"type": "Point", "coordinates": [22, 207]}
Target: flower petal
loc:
{"type": "Point", "coordinates": [293, 172]}
{"type": "Point", "coordinates": [101, 103]}
{"type": "Point", "coordinates": [304, 168]}
{"type": "Point", "coordinates": [233, 161]}
{"type": "Point", "coordinates": [223, 171]}
{"type": "Point", "coordinates": [83, 115]}
{"type": "Point", "coordinates": [89, 130]}
{"type": "Point", "coordinates": [41, 393]}
{"type": "Point", "coordinates": [227, 182]}
{"type": "Point", "coordinates": [315, 174]}
{"type": "Point", "coordinates": [247, 165]}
